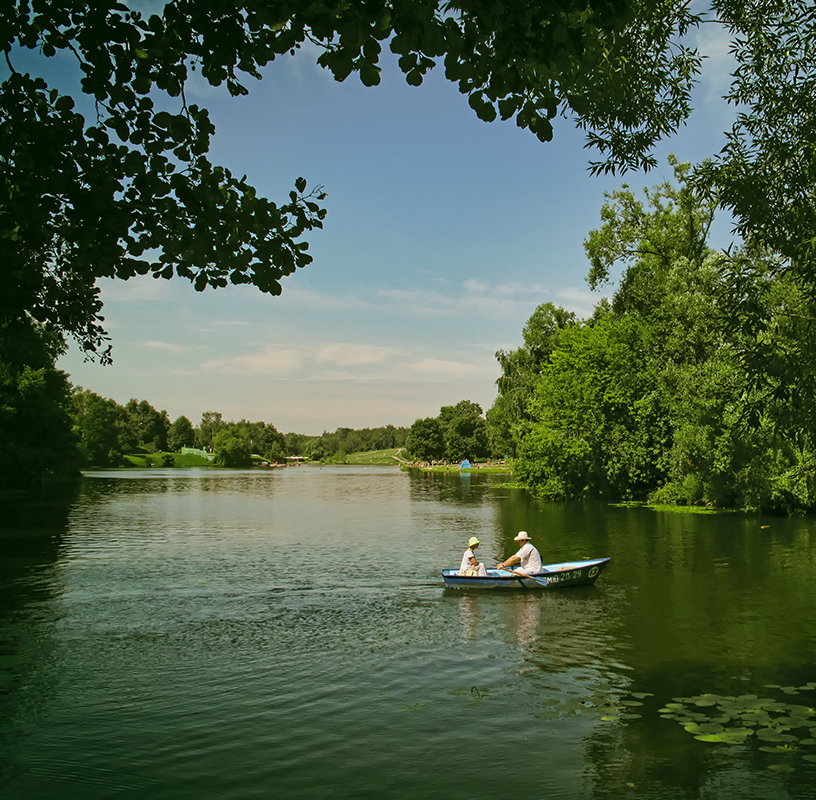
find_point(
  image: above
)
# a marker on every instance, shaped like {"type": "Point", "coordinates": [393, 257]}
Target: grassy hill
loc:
{"type": "Point", "coordinates": [166, 460]}
{"type": "Point", "coordinates": [375, 457]}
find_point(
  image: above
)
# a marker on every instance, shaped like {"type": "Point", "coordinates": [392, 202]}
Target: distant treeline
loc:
{"type": "Point", "coordinates": [51, 429]}
{"type": "Point", "coordinates": [695, 383]}
{"type": "Point", "coordinates": [106, 431]}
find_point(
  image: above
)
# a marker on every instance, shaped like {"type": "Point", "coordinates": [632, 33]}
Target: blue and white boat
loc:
{"type": "Point", "coordinates": [552, 576]}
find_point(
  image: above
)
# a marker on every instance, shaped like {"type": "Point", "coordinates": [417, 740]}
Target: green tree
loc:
{"type": "Point", "coordinates": [211, 424]}
{"type": "Point", "coordinates": [595, 429]}
{"type": "Point", "coordinates": [84, 200]}
{"type": "Point", "coordinates": [764, 174]}
{"type": "Point", "coordinates": [181, 434]}
{"type": "Point", "coordinates": [650, 397]}
{"type": "Point", "coordinates": [144, 427]}
{"type": "Point", "coordinates": [316, 450]}
{"type": "Point", "coordinates": [521, 368]}
{"type": "Point", "coordinates": [231, 449]}
{"type": "Point", "coordinates": [464, 431]}
{"type": "Point", "coordinates": [425, 441]}
{"type": "Point", "coordinates": [38, 442]}
{"type": "Point", "coordinates": [295, 443]}
{"type": "Point", "coordinates": [264, 439]}
{"type": "Point", "coordinates": [99, 423]}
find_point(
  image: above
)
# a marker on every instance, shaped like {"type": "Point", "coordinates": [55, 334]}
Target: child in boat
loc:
{"type": "Point", "coordinates": [528, 556]}
{"type": "Point", "coordinates": [470, 566]}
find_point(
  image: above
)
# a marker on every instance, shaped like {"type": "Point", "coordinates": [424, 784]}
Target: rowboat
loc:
{"type": "Point", "coordinates": [552, 576]}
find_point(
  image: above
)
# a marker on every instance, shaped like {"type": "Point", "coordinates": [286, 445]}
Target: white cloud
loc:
{"type": "Point", "coordinates": [167, 346]}
{"type": "Point", "coordinates": [135, 290]}
{"type": "Point", "coordinates": [481, 302]}
{"type": "Point", "coordinates": [713, 40]}
{"type": "Point", "coordinates": [444, 369]}
{"type": "Point", "coordinates": [346, 355]}
{"type": "Point", "coordinates": [295, 297]}
{"type": "Point", "coordinates": [276, 361]}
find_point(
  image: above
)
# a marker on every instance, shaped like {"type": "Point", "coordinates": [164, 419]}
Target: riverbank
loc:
{"type": "Point", "coordinates": [480, 468]}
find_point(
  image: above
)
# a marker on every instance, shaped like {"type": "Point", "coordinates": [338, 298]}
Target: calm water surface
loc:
{"type": "Point", "coordinates": [221, 634]}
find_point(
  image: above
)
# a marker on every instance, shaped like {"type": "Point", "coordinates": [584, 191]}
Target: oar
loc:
{"type": "Point", "coordinates": [525, 575]}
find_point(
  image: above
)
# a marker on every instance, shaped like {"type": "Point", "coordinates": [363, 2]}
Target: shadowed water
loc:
{"type": "Point", "coordinates": [221, 634]}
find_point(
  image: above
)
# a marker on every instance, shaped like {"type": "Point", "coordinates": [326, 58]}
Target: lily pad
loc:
{"type": "Point", "coordinates": [808, 758]}
{"type": "Point", "coordinates": [772, 735]}
{"type": "Point", "coordinates": [725, 737]}
{"type": "Point", "coordinates": [781, 768]}
{"type": "Point", "coordinates": [706, 700]}
{"type": "Point", "coordinates": [642, 695]}
{"type": "Point", "coordinates": [711, 727]}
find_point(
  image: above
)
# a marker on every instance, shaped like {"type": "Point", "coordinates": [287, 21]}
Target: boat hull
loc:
{"type": "Point", "coordinates": [552, 576]}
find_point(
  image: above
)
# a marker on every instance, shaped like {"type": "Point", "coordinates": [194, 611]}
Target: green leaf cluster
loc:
{"type": "Point", "coordinates": [131, 191]}
{"type": "Point", "coordinates": [775, 727]}
{"type": "Point", "coordinates": [35, 407]}
{"type": "Point", "coordinates": [651, 398]}
{"type": "Point", "coordinates": [459, 432]}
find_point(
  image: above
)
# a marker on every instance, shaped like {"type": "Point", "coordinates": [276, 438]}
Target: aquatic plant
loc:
{"type": "Point", "coordinates": [776, 727]}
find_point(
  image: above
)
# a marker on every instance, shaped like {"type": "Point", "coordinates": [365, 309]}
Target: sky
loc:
{"type": "Point", "coordinates": [443, 235]}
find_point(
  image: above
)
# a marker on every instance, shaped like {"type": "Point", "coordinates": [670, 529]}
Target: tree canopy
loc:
{"type": "Point", "coordinates": [459, 432]}
{"type": "Point", "coordinates": [131, 190]}
{"type": "Point", "coordinates": [650, 398]}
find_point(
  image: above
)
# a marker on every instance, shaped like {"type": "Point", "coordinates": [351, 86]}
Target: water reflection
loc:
{"type": "Point", "coordinates": [176, 638]}
{"type": "Point", "coordinates": [32, 527]}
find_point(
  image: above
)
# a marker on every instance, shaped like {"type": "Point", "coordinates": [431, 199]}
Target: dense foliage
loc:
{"type": "Point", "coordinates": [459, 432]}
{"type": "Point", "coordinates": [650, 398]}
{"type": "Point", "coordinates": [35, 404]}
{"type": "Point", "coordinates": [131, 191]}
{"type": "Point", "coordinates": [334, 446]}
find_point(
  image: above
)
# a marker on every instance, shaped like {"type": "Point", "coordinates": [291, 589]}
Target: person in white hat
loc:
{"type": "Point", "coordinates": [527, 555]}
{"type": "Point", "coordinates": [470, 566]}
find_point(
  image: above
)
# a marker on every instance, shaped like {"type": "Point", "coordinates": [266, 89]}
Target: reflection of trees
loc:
{"type": "Point", "coordinates": [691, 604]}
{"type": "Point", "coordinates": [702, 595]}
{"type": "Point", "coordinates": [31, 531]}
{"type": "Point", "coordinates": [466, 488]}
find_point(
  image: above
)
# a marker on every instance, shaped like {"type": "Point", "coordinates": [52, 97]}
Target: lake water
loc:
{"type": "Point", "coordinates": [226, 634]}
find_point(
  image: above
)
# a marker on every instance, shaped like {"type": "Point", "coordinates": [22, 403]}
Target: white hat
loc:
{"type": "Point", "coordinates": [521, 535]}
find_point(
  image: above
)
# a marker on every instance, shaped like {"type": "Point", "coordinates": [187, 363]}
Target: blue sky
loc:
{"type": "Point", "coordinates": [443, 235]}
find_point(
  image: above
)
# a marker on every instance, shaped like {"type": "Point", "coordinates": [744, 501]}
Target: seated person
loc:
{"type": "Point", "coordinates": [527, 555]}
{"type": "Point", "coordinates": [470, 566]}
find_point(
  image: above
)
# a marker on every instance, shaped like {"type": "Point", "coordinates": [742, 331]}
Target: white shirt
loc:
{"type": "Point", "coordinates": [466, 560]}
{"type": "Point", "coordinates": [530, 558]}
